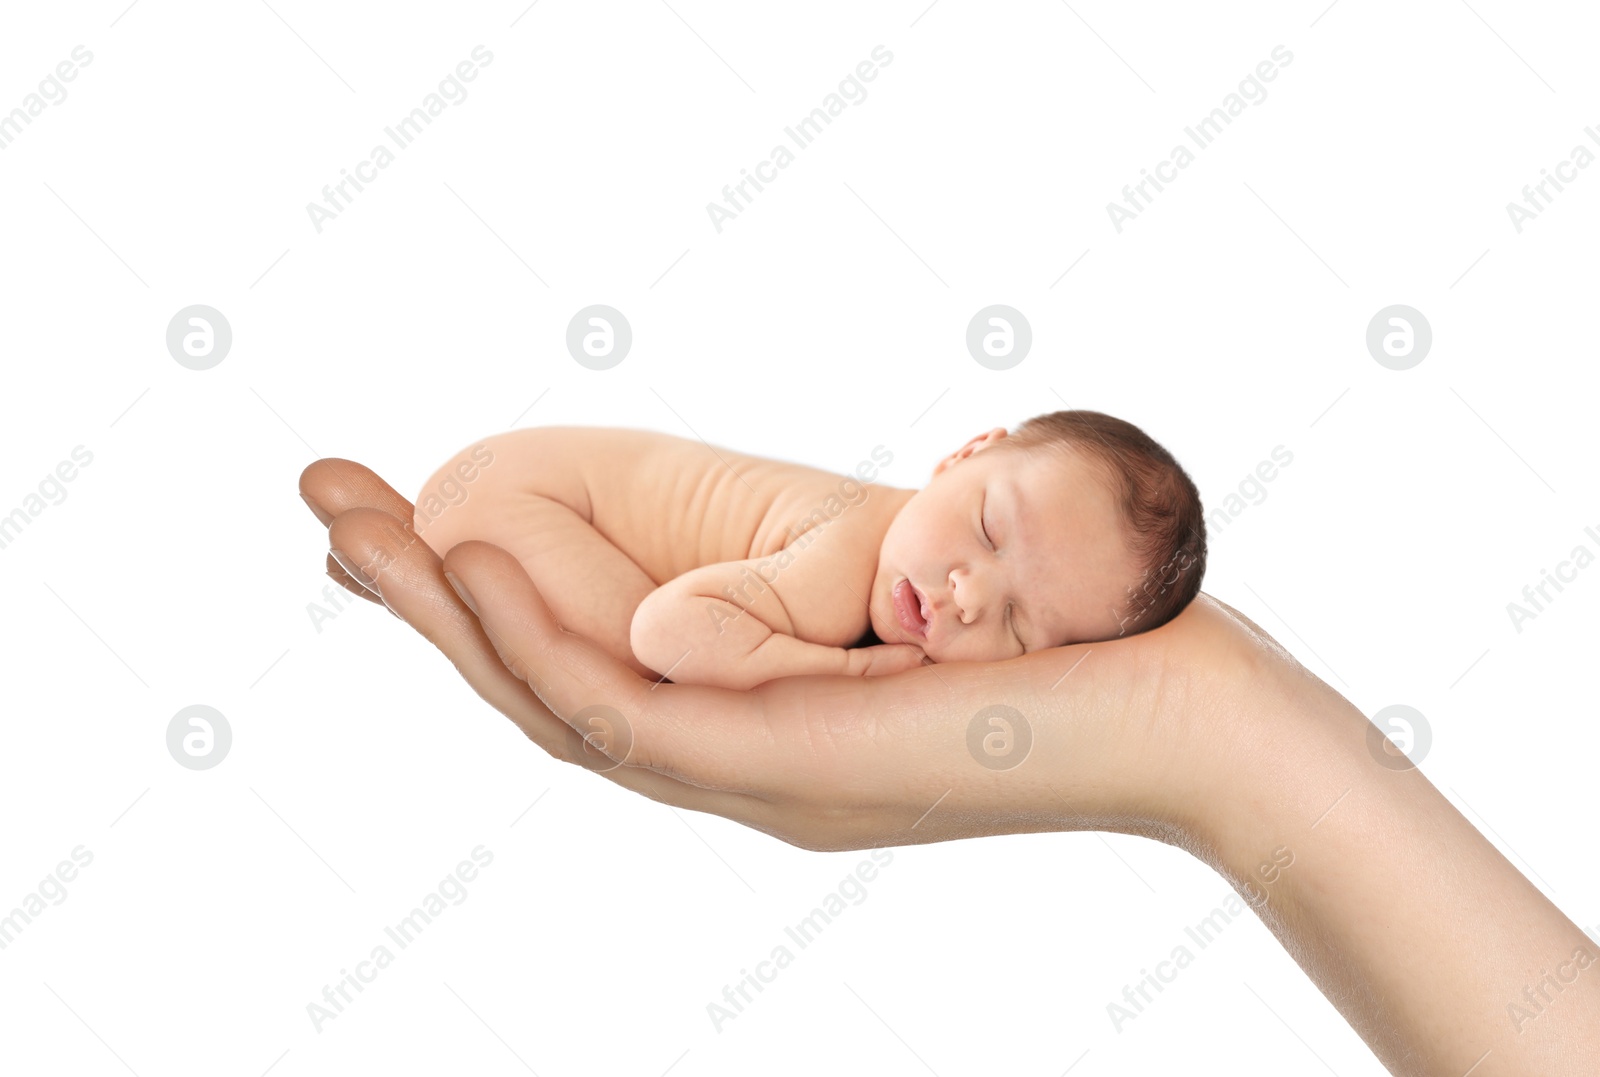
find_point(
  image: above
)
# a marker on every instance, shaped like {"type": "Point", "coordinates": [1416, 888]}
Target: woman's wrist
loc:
{"type": "Point", "coordinates": [1430, 943]}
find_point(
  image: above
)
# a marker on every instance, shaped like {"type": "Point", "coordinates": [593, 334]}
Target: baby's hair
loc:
{"type": "Point", "coordinates": [1160, 506]}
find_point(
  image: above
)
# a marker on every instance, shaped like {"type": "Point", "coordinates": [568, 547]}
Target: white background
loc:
{"type": "Point", "coordinates": [1228, 319]}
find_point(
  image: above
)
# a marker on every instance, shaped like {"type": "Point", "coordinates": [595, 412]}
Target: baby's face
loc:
{"type": "Point", "coordinates": [1054, 568]}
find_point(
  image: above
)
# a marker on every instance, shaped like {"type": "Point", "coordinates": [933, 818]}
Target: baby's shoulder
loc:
{"type": "Point", "coordinates": [853, 516]}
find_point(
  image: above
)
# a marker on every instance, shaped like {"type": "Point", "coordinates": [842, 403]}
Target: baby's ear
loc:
{"type": "Point", "coordinates": [982, 441]}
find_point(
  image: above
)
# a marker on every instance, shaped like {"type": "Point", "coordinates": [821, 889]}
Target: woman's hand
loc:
{"type": "Point", "coordinates": [1203, 733]}
{"type": "Point", "coordinates": [1106, 735]}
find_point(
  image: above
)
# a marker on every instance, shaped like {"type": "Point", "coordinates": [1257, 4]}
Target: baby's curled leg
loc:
{"type": "Point", "coordinates": [591, 586]}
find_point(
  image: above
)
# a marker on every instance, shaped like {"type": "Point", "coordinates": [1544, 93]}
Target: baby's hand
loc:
{"type": "Point", "coordinates": [885, 658]}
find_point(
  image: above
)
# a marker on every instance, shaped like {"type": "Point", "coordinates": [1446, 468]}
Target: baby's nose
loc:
{"type": "Point", "coordinates": [969, 597]}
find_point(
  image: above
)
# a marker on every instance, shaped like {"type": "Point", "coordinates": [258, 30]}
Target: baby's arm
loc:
{"type": "Point", "coordinates": [738, 624]}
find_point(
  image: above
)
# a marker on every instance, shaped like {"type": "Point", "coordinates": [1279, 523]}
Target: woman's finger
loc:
{"type": "Point", "coordinates": [715, 738]}
{"type": "Point", "coordinates": [332, 485]}
{"type": "Point", "coordinates": [410, 578]}
{"type": "Point", "coordinates": [339, 576]}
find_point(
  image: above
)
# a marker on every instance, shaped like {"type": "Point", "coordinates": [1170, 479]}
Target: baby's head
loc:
{"type": "Point", "coordinates": [1094, 531]}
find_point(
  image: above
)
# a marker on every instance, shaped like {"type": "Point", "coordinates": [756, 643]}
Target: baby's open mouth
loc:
{"type": "Point", "coordinates": [911, 608]}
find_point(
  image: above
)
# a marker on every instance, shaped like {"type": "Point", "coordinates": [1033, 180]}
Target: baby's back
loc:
{"type": "Point", "coordinates": [671, 503]}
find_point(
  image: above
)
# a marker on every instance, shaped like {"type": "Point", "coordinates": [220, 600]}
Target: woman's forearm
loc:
{"type": "Point", "coordinates": [1438, 952]}
{"type": "Point", "coordinates": [1203, 733]}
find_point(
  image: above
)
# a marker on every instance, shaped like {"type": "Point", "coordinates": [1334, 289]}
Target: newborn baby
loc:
{"type": "Point", "coordinates": [710, 566]}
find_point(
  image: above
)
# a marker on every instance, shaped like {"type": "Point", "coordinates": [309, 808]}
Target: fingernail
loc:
{"type": "Point", "coordinates": [316, 510]}
{"type": "Point", "coordinates": [390, 608]}
{"type": "Point", "coordinates": [355, 572]}
{"type": "Point", "coordinates": [461, 590]}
